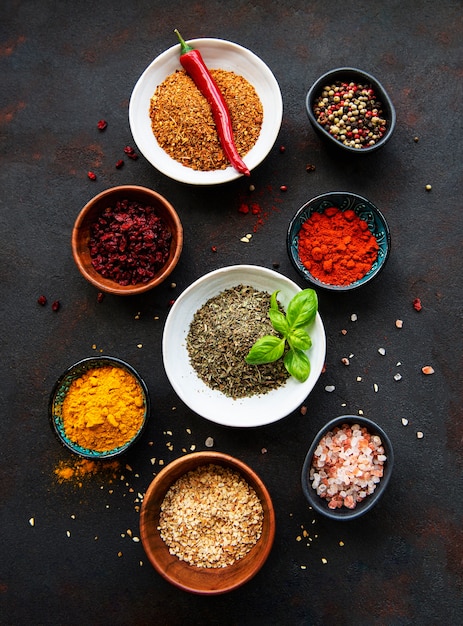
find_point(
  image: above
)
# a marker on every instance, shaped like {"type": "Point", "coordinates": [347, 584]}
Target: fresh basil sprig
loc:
{"type": "Point", "coordinates": [300, 313]}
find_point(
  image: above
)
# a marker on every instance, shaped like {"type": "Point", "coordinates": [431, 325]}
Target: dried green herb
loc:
{"type": "Point", "coordinates": [300, 313]}
{"type": "Point", "coordinates": [220, 336]}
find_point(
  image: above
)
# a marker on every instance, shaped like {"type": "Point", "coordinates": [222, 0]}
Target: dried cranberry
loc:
{"type": "Point", "coordinates": [119, 164]}
{"type": "Point", "coordinates": [129, 243]}
{"type": "Point", "coordinates": [55, 306]}
{"type": "Point", "coordinates": [42, 300]}
{"type": "Point", "coordinates": [91, 175]}
{"type": "Point", "coordinates": [417, 304]}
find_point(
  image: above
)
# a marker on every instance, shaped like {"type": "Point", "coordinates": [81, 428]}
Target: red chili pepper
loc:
{"type": "Point", "coordinates": [195, 67]}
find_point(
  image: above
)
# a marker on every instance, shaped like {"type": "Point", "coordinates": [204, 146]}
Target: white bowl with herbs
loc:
{"type": "Point", "coordinates": [244, 346]}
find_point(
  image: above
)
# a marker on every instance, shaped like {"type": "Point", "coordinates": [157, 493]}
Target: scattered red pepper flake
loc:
{"type": "Point", "coordinates": [42, 300]}
{"type": "Point", "coordinates": [417, 304]}
{"type": "Point", "coordinates": [55, 306]}
{"type": "Point", "coordinates": [102, 125]}
{"type": "Point", "coordinates": [91, 175]}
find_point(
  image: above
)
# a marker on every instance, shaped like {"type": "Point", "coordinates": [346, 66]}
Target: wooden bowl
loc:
{"type": "Point", "coordinates": [90, 212]}
{"type": "Point", "coordinates": [201, 580]}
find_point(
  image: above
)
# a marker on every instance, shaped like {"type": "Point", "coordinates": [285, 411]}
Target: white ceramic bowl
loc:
{"type": "Point", "coordinates": [217, 54]}
{"type": "Point", "coordinates": [211, 404]}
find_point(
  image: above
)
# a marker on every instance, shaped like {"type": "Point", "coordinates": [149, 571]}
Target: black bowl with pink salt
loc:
{"type": "Point", "coordinates": [347, 468]}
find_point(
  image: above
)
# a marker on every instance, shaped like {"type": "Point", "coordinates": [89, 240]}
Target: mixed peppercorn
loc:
{"type": "Point", "coordinates": [351, 113]}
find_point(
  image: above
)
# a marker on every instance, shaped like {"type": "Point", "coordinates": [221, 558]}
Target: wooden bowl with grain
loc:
{"type": "Point", "coordinates": [158, 519]}
{"type": "Point", "coordinates": [137, 197]}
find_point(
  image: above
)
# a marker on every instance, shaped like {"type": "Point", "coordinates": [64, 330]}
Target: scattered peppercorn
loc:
{"type": "Point", "coordinates": [42, 300]}
{"type": "Point", "coordinates": [351, 113]}
{"type": "Point", "coordinates": [417, 304]}
{"type": "Point", "coordinates": [102, 125]}
{"type": "Point", "coordinates": [91, 175]}
{"type": "Point", "coordinates": [55, 306]}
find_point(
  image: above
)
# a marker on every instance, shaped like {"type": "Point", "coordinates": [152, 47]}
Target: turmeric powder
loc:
{"type": "Point", "coordinates": [103, 409]}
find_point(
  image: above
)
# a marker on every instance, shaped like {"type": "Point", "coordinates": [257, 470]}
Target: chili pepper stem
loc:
{"type": "Point", "coordinates": [184, 46]}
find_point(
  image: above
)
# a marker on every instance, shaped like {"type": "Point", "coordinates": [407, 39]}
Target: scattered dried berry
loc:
{"type": "Point", "coordinates": [100, 297]}
{"type": "Point", "coordinates": [283, 188]}
{"type": "Point", "coordinates": [102, 125]}
{"type": "Point", "coordinates": [214, 248]}
{"type": "Point", "coordinates": [303, 410]}
{"type": "Point", "coordinates": [55, 306]}
{"type": "Point", "coordinates": [282, 149]}
{"type": "Point", "coordinates": [119, 164]}
{"type": "Point", "coordinates": [42, 300]}
{"type": "Point", "coordinates": [130, 152]}
{"type": "Point", "coordinates": [417, 304]}
{"type": "Point", "coordinates": [91, 175]}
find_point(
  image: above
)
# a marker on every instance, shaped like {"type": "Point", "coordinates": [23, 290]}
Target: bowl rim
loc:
{"type": "Point", "coordinates": [111, 286]}
{"type": "Point", "coordinates": [174, 471]}
{"type": "Point", "coordinates": [296, 392]}
{"type": "Point", "coordinates": [177, 171]}
{"type": "Point", "coordinates": [291, 234]}
{"type": "Point", "coordinates": [320, 504]}
{"type": "Point", "coordinates": [86, 364]}
{"type": "Point", "coordinates": [381, 93]}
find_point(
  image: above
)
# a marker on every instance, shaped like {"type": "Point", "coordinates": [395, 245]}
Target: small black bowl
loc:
{"type": "Point", "coordinates": [351, 74]}
{"type": "Point", "coordinates": [58, 396]}
{"type": "Point", "coordinates": [320, 504]}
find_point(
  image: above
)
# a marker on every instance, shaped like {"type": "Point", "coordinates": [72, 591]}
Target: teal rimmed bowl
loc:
{"type": "Point", "coordinates": [343, 200]}
{"type": "Point", "coordinates": [58, 396]}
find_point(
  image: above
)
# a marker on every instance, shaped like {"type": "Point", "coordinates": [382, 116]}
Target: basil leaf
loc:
{"type": "Point", "coordinates": [297, 364]}
{"type": "Point", "coordinates": [299, 338]}
{"type": "Point", "coordinates": [266, 350]}
{"type": "Point", "coordinates": [302, 308]}
{"type": "Point", "coordinates": [279, 321]}
{"type": "Point", "coordinates": [274, 301]}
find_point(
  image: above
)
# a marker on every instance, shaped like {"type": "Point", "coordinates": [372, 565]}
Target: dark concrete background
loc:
{"type": "Point", "coordinates": [64, 66]}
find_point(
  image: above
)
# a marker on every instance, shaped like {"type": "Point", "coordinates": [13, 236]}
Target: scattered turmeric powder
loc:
{"type": "Point", "coordinates": [103, 409]}
{"type": "Point", "coordinates": [83, 468]}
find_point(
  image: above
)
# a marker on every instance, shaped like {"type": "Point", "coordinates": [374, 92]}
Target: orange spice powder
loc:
{"type": "Point", "coordinates": [337, 247]}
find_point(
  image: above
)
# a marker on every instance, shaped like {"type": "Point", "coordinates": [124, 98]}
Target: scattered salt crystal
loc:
{"type": "Point", "coordinates": [353, 317]}
{"type": "Point", "coordinates": [399, 323]}
{"type": "Point", "coordinates": [341, 543]}
{"type": "Point", "coordinates": [398, 364]}
{"type": "Point", "coordinates": [397, 376]}
{"type": "Point", "coordinates": [419, 435]}
{"type": "Point", "coordinates": [209, 443]}
{"type": "Point", "coordinates": [303, 566]}
{"type": "Point", "coordinates": [330, 388]}
{"type": "Point", "coordinates": [324, 561]}
{"type": "Point", "coordinates": [360, 412]}
{"type": "Point", "coordinates": [345, 360]}
{"type": "Point", "coordinates": [382, 351]}
{"type": "Point", "coordinates": [359, 378]}
{"type": "Point", "coordinates": [375, 387]}
{"type": "Point", "coordinates": [427, 369]}
{"type": "Point", "coordinates": [344, 331]}
{"type": "Point", "coordinates": [32, 521]}
{"type": "Point", "coordinates": [404, 421]}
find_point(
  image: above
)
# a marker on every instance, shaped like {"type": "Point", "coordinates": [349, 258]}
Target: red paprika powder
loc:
{"type": "Point", "coordinates": [336, 246]}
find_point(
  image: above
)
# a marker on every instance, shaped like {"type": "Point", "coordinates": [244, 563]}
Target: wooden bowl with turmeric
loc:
{"type": "Point", "coordinates": [338, 241]}
{"type": "Point", "coordinates": [98, 407]}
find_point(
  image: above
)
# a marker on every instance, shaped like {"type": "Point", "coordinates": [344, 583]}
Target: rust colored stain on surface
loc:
{"type": "Point", "coordinates": [10, 46]}
{"type": "Point", "coordinates": [8, 113]}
